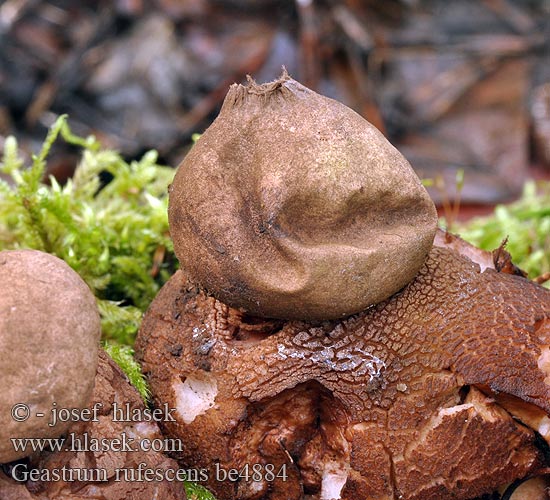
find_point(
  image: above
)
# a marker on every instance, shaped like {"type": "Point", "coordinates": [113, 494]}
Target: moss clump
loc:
{"type": "Point", "coordinates": [115, 235]}
{"type": "Point", "coordinates": [197, 492]}
{"type": "Point", "coordinates": [123, 356]}
{"type": "Point", "coordinates": [526, 224]}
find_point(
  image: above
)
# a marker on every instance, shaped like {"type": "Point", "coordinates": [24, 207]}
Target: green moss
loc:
{"type": "Point", "coordinates": [123, 356]}
{"type": "Point", "coordinates": [115, 235]}
{"type": "Point", "coordinates": [526, 224]}
{"type": "Point", "coordinates": [197, 492]}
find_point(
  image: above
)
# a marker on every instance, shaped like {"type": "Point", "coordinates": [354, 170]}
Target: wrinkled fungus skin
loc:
{"type": "Point", "coordinates": [293, 206]}
{"type": "Point", "coordinates": [410, 399]}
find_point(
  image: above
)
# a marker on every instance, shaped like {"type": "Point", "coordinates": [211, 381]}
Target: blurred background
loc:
{"type": "Point", "coordinates": [459, 86]}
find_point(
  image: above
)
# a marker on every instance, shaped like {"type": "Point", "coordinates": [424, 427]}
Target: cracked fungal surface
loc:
{"type": "Point", "coordinates": [438, 392]}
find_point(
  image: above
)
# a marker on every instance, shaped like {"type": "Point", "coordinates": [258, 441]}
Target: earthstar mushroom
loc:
{"type": "Point", "coordinates": [390, 402]}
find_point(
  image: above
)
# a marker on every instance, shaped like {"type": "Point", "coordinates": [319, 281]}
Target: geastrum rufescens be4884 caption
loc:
{"type": "Point", "coordinates": [314, 332]}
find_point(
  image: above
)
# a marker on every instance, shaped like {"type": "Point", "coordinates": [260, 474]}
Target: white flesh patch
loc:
{"type": "Point", "coordinates": [449, 412]}
{"type": "Point", "coordinates": [544, 363]}
{"type": "Point", "coordinates": [194, 396]}
{"type": "Point", "coordinates": [335, 475]}
{"type": "Point", "coordinates": [544, 428]}
{"type": "Point", "coordinates": [146, 429]}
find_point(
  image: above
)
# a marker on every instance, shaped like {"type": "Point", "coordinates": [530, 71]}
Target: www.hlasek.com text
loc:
{"type": "Point", "coordinates": [85, 443]}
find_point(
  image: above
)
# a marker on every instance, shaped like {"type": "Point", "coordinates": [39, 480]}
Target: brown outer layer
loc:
{"type": "Point", "coordinates": [49, 338]}
{"type": "Point", "coordinates": [370, 390]}
{"type": "Point", "coordinates": [292, 198]}
{"type": "Point", "coordinates": [110, 385]}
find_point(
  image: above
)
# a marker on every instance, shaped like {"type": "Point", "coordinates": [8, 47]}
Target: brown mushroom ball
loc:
{"type": "Point", "coordinates": [292, 206]}
{"type": "Point", "coordinates": [86, 472]}
{"type": "Point", "coordinates": [437, 392]}
{"type": "Point", "coordinates": [49, 339]}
